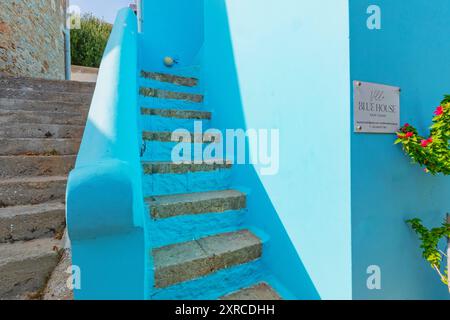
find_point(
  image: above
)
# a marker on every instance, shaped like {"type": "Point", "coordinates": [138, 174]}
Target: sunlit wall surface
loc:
{"type": "Point", "coordinates": [285, 65]}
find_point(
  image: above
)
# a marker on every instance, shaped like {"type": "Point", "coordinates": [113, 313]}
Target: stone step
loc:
{"type": "Point", "coordinates": [170, 78]}
{"type": "Point", "coordinates": [57, 288]}
{"type": "Point", "coordinates": [171, 95]}
{"type": "Point", "coordinates": [44, 106]}
{"type": "Point", "coordinates": [167, 206]}
{"type": "Point", "coordinates": [23, 83]}
{"type": "Point", "coordinates": [182, 168]}
{"type": "Point", "coordinates": [178, 114]}
{"type": "Point", "coordinates": [26, 191]}
{"type": "Point", "coordinates": [32, 166]}
{"type": "Point", "coordinates": [31, 146]}
{"type": "Point", "coordinates": [162, 136]}
{"type": "Point", "coordinates": [24, 223]}
{"type": "Point", "coordinates": [26, 266]}
{"type": "Point", "coordinates": [149, 102]}
{"type": "Point", "coordinates": [42, 117]}
{"type": "Point", "coordinates": [49, 96]}
{"type": "Point", "coordinates": [157, 151]}
{"type": "Point", "coordinates": [182, 180]}
{"type": "Point", "coordinates": [260, 291]}
{"type": "Point", "coordinates": [157, 123]}
{"type": "Point", "coordinates": [191, 260]}
{"type": "Point", "coordinates": [216, 285]}
{"type": "Point", "coordinates": [163, 232]}
{"type": "Point", "coordinates": [36, 130]}
{"type": "Point", "coordinates": [191, 71]}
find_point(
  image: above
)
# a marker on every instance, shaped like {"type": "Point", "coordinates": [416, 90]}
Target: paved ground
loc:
{"type": "Point", "coordinates": [57, 285]}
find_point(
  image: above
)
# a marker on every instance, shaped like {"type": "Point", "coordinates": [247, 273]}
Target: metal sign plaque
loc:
{"type": "Point", "coordinates": [376, 108]}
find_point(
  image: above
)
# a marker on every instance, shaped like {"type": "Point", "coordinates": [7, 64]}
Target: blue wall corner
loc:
{"type": "Point", "coordinates": [171, 28]}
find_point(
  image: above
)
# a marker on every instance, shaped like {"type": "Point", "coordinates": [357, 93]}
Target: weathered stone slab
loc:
{"type": "Point", "coordinates": [40, 131]}
{"type": "Point", "coordinates": [179, 114]}
{"type": "Point", "coordinates": [26, 191]}
{"type": "Point", "coordinates": [47, 106]}
{"type": "Point", "coordinates": [167, 137]}
{"type": "Point", "coordinates": [57, 288]}
{"type": "Point", "coordinates": [26, 266]}
{"type": "Point", "coordinates": [195, 203]}
{"type": "Point", "coordinates": [190, 260]}
{"type": "Point", "coordinates": [166, 94]}
{"type": "Point", "coordinates": [24, 223]}
{"type": "Point", "coordinates": [261, 291]}
{"type": "Point", "coordinates": [53, 96]}
{"type": "Point", "coordinates": [180, 168]}
{"type": "Point", "coordinates": [31, 146]}
{"type": "Point", "coordinates": [24, 83]}
{"type": "Point", "coordinates": [233, 248]}
{"type": "Point", "coordinates": [31, 166]}
{"type": "Point", "coordinates": [42, 117]}
{"type": "Point", "coordinates": [158, 123]}
{"type": "Point", "coordinates": [169, 78]}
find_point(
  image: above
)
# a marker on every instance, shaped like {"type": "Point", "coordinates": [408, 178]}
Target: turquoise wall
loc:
{"type": "Point", "coordinates": [171, 28]}
{"type": "Point", "coordinates": [285, 65]}
{"type": "Point", "coordinates": [412, 50]}
{"type": "Point", "coordinates": [105, 213]}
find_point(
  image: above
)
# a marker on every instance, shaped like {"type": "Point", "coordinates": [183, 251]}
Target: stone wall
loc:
{"type": "Point", "coordinates": [32, 38]}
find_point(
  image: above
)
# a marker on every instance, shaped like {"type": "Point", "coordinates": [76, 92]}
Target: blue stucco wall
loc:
{"type": "Point", "coordinates": [285, 65]}
{"type": "Point", "coordinates": [171, 28]}
{"type": "Point", "coordinates": [412, 50]}
{"type": "Point", "coordinates": [105, 214]}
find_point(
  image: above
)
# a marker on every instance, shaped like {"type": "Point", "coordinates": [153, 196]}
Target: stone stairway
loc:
{"type": "Point", "coordinates": [41, 125]}
{"type": "Point", "coordinates": [201, 247]}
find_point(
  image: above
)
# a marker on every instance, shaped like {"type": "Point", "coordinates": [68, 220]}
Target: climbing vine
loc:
{"type": "Point", "coordinates": [430, 246]}
{"type": "Point", "coordinates": [432, 153]}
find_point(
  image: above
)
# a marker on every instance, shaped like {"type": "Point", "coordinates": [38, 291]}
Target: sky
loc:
{"type": "Point", "coordinates": [105, 9]}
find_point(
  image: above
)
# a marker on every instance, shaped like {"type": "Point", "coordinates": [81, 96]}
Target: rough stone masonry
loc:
{"type": "Point", "coordinates": [32, 38]}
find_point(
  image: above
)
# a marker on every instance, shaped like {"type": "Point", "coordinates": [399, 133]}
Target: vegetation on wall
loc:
{"type": "Point", "coordinates": [430, 246]}
{"type": "Point", "coordinates": [89, 42]}
{"type": "Point", "coordinates": [432, 153]}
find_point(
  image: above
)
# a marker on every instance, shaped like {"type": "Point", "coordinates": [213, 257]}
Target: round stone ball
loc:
{"type": "Point", "coordinates": [169, 61]}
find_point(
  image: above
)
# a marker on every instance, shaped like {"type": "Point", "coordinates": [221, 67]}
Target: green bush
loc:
{"type": "Point", "coordinates": [88, 43]}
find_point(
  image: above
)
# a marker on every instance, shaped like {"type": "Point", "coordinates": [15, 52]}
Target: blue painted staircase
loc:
{"type": "Point", "coordinates": [199, 244]}
{"type": "Point", "coordinates": [141, 225]}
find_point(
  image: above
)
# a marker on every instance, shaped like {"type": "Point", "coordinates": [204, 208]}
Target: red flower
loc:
{"type": "Point", "coordinates": [427, 142]}
{"type": "Point", "coordinates": [407, 125]}
{"type": "Point", "coordinates": [404, 136]}
{"type": "Point", "coordinates": [439, 111]}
